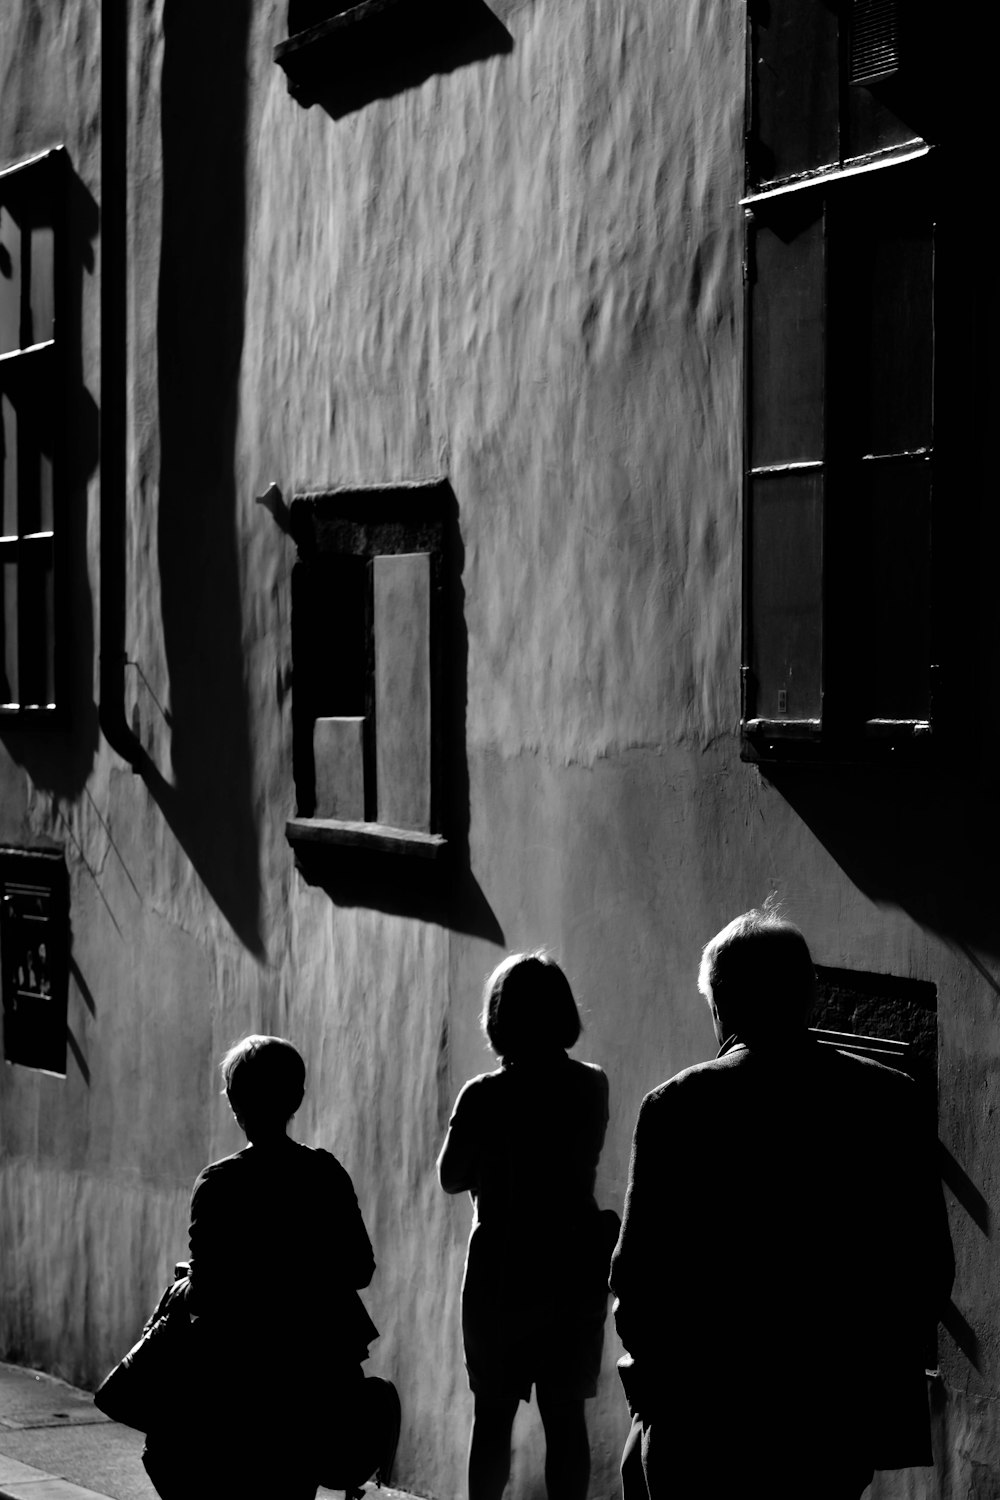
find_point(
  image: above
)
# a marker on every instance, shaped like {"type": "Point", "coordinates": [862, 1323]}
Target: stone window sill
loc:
{"type": "Point", "coordinates": [314, 833]}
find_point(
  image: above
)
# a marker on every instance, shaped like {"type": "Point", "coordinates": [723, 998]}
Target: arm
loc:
{"type": "Point", "coordinates": [458, 1163]}
{"type": "Point", "coordinates": [354, 1245]}
{"type": "Point", "coordinates": [605, 1115]}
{"type": "Point", "coordinates": [210, 1269]}
{"type": "Point", "coordinates": [638, 1253]}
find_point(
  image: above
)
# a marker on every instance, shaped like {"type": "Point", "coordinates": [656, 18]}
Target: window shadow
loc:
{"type": "Point", "coordinates": [59, 758]}
{"type": "Point", "coordinates": [383, 47]}
{"type": "Point", "coordinates": [208, 801]}
{"type": "Point", "coordinates": [921, 839]}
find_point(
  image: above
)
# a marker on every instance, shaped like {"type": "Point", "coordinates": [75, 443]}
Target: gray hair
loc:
{"type": "Point", "coordinates": [758, 973]}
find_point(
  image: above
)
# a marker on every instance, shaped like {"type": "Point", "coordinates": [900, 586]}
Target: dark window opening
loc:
{"type": "Point", "coordinates": [843, 628]}
{"type": "Point", "coordinates": [833, 85]}
{"type": "Point", "coordinates": [31, 421]}
{"type": "Point", "coordinates": [34, 950]}
{"type": "Point", "coordinates": [368, 689]}
{"type": "Point", "coordinates": [894, 1022]}
{"type": "Point", "coordinates": [891, 1019]}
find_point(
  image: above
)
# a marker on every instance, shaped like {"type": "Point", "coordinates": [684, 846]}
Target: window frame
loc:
{"type": "Point", "coordinates": [838, 731]}
{"type": "Point", "coordinates": [370, 522]}
{"type": "Point", "coordinates": [39, 874]}
{"type": "Point", "coordinates": [42, 177]}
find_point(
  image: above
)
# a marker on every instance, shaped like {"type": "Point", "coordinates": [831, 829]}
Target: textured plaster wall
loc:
{"type": "Point", "coordinates": [523, 273]}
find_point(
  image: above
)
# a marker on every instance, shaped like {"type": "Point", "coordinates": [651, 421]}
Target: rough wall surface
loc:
{"type": "Point", "coordinates": [523, 273]}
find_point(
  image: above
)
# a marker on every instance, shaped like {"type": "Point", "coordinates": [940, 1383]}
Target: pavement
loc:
{"type": "Point", "coordinates": [56, 1445]}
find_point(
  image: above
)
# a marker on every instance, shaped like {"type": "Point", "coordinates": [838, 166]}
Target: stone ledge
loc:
{"type": "Point", "coordinates": [314, 833]}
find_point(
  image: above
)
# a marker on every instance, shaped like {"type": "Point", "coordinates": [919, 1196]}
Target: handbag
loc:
{"type": "Point", "coordinates": [142, 1388]}
{"type": "Point", "coordinates": [367, 1434]}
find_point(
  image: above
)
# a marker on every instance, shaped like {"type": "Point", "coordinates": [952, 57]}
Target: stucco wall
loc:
{"type": "Point", "coordinates": [523, 273]}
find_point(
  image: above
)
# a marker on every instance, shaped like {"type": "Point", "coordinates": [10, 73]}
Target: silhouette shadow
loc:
{"type": "Point", "coordinates": [83, 988]}
{"type": "Point", "coordinates": [59, 757]}
{"type": "Point", "coordinates": [964, 1335]}
{"type": "Point", "coordinates": [209, 804]}
{"type": "Point", "coordinates": [381, 48]}
{"type": "Point", "coordinates": [965, 1190]}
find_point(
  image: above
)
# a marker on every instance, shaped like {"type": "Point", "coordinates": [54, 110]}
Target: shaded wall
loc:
{"type": "Point", "coordinates": [524, 273]}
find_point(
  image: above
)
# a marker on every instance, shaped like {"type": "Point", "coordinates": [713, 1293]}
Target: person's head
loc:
{"type": "Point", "coordinates": [265, 1079]}
{"type": "Point", "coordinates": [528, 1008]}
{"type": "Point", "coordinates": [758, 977]}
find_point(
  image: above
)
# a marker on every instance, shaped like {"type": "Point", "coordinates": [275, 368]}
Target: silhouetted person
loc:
{"type": "Point", "coordinates": [783, 1255]}
{"type": "Point", "coordinates": [525, 1141]}
{"type": "Point", "coordinates": [278, 1248]}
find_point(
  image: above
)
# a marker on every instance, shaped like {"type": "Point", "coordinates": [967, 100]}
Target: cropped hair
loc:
{"type": "Point", "coordinates": [264, 1077]}
{"type": "Point", "coordinates": [528, 1007]}
{"type": "Point", "coordinates": [759, 974]}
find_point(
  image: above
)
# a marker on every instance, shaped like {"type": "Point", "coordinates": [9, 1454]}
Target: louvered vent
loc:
{"type": "Point", "coordinates": [875, 52]}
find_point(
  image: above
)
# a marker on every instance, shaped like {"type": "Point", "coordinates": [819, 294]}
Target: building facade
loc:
{"type": "Point", "coordinates": [429, 451]}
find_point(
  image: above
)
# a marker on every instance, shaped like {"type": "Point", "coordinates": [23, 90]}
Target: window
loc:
{"type": "Point", "coordinates": [882, 1016]}
{"type": "Point", "coordinates": [34, 951]}
{"type": "Point", "coordinates": [367, 693]}
{"type": "Point", "coordinates": [842, 271]}
{"type": "Point", "coordinates": [31, 422]}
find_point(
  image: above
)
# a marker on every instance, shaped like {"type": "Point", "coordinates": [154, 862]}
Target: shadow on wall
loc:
{"type": "Point", "coordinates": [60, 759]}
{"type": "Point", "coordinates": [924, 841]}
{"type": "Point", "coordinates": [200, 340]}
{"type": "Point", "coordinates": [359, 53]}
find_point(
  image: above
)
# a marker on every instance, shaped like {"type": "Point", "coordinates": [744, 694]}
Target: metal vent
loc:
{"type": "Point", "coordinates": [875, 51]}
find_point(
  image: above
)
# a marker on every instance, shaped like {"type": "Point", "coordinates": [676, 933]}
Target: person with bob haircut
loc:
{"type": "Point", "coordinates": [524, 1142]}
{"type": "Point", "coordinates": [784, 1252]}
{"type": "Point", "coordinates": [278, 1250]}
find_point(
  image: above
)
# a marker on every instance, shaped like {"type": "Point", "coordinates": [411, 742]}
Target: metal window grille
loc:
{"type": "Point", "coordinates": [874, 49]}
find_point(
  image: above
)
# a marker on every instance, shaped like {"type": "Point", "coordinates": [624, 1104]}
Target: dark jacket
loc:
{"type": "Point", "coordinates": [783, 1257]}
{"type": "Point", "coordinates": [277, 1333]}
{"type": "Point", "coordinates": [278, 1246]}
{"type": "Point", "coordinates": [524, 1141]}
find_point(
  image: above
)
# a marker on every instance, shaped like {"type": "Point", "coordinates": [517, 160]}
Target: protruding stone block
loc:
{"type": "Point", "coordinates": [338, 753]}
{"type": "Point", "coordinates": [402, 614]}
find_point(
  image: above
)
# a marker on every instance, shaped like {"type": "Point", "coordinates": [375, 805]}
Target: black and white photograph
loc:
{"type": "Point", "coordinates": [499, 839]}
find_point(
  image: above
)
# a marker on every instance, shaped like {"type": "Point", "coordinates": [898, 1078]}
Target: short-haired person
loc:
{"type": "Point", "coordinates": [278, 1249]}
{"type": "Point", "coordinates": [524, 1141]}
{"type": "Point", "coordinates": [784, 1251]}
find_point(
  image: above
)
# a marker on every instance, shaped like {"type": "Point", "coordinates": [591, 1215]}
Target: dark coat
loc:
{"type": "Point", "coordinates": [783, 1256]}
{"type": "Point", "coordinates": [278, 1248]}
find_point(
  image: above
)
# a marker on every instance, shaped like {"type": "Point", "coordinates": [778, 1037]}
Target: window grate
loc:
{"type": "Point", "coordinates": [875, 51]}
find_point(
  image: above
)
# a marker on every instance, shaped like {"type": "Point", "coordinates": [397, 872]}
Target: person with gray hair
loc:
{"type": "Point", "coordinates": [784, 1251]}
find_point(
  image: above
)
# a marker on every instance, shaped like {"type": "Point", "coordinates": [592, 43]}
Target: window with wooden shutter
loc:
{"type": "Point", "coordinates": [841, 646]}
